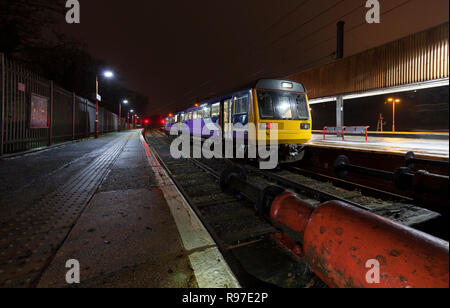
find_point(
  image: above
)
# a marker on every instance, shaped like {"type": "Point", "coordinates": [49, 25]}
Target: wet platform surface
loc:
{"type": "Point", "coordinates": [425, 148]}
{"type": "Point", "coordinates": [96, 202]}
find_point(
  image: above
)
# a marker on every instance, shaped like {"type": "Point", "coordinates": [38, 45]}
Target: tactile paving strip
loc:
{"type": "Point", "coordinates": [29, 241]}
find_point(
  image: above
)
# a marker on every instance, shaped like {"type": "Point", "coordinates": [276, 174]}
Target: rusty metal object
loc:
{"type": "Point", "coordinates": [291, 212]}
{"type": "Point", "coordinates": [429, 189]}
{"type": "Point", "coordinates": [339, 240]}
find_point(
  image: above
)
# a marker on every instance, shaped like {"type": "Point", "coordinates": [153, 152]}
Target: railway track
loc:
{"type": "Point", "coordinates": [245, 238]}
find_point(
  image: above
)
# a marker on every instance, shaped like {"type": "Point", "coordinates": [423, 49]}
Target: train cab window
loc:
{"type": "Point", "coordinates": [215, 110]}
{"type": "Point", "coordinates": [301, 108]}
{"type": "Point", "coordinates": [195, 115]}
{"type": "Point", "coordinates": [266, 103]}
{"type": "Point", "coordinates": [283, 108]}
{"type": "Point", "coordinates": [189, 117]}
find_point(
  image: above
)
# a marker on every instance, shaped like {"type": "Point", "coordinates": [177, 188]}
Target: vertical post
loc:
{"type": "Point", "coordinates": [73, 116]}
{"type": "Point", "coordinates": [393, 117]}
{"type": "Point", "coordinates": [128, 121]}
{"type": "Point", "coordinates": [2, 120]}
{"type": "Point", "coordinates": [50, 116]}
{"type": "Point", "coordinates": [96, 107]}
{"type": "Point", "coordinates": [120, 117]}
{"type": "Point", "coordinates": [87, 119]}
{"type": "Point", "coordinates": [340, 111]}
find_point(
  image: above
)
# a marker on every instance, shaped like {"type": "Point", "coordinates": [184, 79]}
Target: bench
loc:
{"type": "Point", "coordinates": [346, 130]}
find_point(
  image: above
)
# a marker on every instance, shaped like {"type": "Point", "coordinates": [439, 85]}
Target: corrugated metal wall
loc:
{"type": "Point", "coordinates": [69, 117]}
{"type": "Point", "coordinates": [420, 57]}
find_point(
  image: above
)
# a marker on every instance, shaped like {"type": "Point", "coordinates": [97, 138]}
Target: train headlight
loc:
{"type": "Point", "coordinates": [305, 126]}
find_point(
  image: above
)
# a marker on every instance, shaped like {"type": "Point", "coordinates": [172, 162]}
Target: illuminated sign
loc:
{"type": "Point", "coordinates": [39, 111]}
{"type": "Point", "coordinates": [21, 87]}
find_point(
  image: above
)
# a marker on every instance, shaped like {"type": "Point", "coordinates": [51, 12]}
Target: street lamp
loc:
{"type": "Point", "coordinates": [132, 118]}
{"type": "Point", "coordinates": [108, 75]}
{"type": "Point", "coordinates": [125, 102]}
{"type": "Point", "coordinates": [393, 101]}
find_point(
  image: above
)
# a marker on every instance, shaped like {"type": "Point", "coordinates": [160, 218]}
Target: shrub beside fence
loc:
{"type": "Point", "coordinates": [36, 113]}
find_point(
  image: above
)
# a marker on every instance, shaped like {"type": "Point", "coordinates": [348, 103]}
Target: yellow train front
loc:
{"type": "Point", "coordinates": [271, 107]}
{"type": "Point", "coordinates": [282, 106]}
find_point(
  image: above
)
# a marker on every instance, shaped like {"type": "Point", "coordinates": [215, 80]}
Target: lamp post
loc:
{"type": "Point", "coordinates": [106, 74]}
{"type": "Point", "coordinates": [132, 118]}
{"type": "Point", "coordinates": [394, 101]}
{"type": "Point", "coordinates": [125, 101]}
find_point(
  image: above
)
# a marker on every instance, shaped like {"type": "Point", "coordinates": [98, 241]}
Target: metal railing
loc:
{"type": "Point", "coordinates": [63, 115]}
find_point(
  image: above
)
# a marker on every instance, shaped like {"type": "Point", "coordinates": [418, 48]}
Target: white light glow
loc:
{"type": "Point", "coordinates": [108, 74]}
{"type": "Point", "coordinates": [405, 88]}
{"type": "Point", "coordinates": [287, 85]}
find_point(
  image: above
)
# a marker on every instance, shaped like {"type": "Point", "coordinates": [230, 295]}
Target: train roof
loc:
{"type": "Point", "coordinates": [266, 84]}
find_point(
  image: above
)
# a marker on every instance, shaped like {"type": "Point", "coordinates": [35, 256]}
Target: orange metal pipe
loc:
{"type": "Point", "coordinates": [291, 213]}
{"type": "Point", "coordinates": [338, 240]}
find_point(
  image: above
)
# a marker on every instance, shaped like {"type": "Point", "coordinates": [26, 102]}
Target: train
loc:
{"type": "Point", "coordinates": [268, 104]}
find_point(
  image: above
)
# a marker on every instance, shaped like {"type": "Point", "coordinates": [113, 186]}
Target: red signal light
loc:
{"type": "Point", "coordinates": [146, 122]}
{"type": "Point", "coordinates": [163, 121]}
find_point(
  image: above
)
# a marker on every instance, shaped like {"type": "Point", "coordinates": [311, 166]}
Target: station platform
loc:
{"type": "Point", "coordinates": [424, 148]}
{"type": "Point", "coordinates": [107, 204]}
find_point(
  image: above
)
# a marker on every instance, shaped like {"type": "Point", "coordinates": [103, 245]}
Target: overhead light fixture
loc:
{"type": "Point", "coordinates": [313, 101]}
{"type": "Point", "coordinates": [404, 88]}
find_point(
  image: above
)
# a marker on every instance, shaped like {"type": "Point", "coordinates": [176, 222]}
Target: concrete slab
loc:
{"type": "Point", "coordinates": [136, 231]}
{"type": "Point", "coordinates": [426, 148]}
{"type": "Point", "coordinates": [124, 239]}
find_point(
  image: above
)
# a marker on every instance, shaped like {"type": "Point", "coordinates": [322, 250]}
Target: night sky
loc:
{"type": "Point", "coordinates": [177, 51]}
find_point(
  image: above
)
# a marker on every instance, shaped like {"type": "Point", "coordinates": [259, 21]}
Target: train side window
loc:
{"type": "Point", "coordinates": [215, 110]}
{"type": "Point", "coordinates": [207, 112]}
{"type": "Point", "coordinates": [241, 104]}
{"type": "Point", "coordinates": [194, 115]}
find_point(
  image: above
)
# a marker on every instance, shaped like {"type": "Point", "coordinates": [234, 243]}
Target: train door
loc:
{"type": "Point", "coordinates": [228, 118]}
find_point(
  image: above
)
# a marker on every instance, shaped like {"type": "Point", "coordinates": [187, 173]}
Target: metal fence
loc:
{"type": "Point", "coordinates": [36, 113]}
